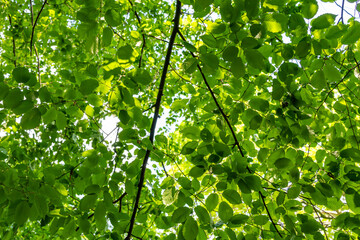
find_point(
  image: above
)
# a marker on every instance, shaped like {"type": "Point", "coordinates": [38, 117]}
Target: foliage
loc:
{"type": "Point", "coordinates": [261, 137]}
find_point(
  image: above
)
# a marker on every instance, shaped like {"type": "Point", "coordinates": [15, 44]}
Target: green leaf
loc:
{"type": "Point", "coordinates": [4, 90]}
{"type": "Point", "coordinates": [13, 98]}
{"type": "Point", "coordinates": [22, 213]}
{"type": "Point", "coordinates": [209, 40]}
{"type": "Point", "coordinates": [351, 153]}
{"type": "Point", "coordinates": [61, 120]}
{"type": "Point", "coordinates": [92, 189]}
{"type": "Point", "coordinates": [277, 91]}
{"type": "Point", "coordinates": [310, 227]}
{"type": "Point", "coordinates": [107, 36]}
{"type": "Point", "coordinates": [84, 225]}
{"type": "Point", "coordinates": [49, 116]}
{"type": "Point", "coordinates": [318, 80]}
{"type": "Point", "coordinates": [303, 48]}
{"type": "Point", "coordinates": [31, 119]}
{"type": "Point", "coordinates": [293, 192]}
{"type": "Point", "coordinates": [202, 214]}
{"type": "Point", "coordinates": [253, 182]}
{"type": "Point", "coordinates": [244, 187]}
{"type": "Point", "coordinates": [217, 28]}
{"type": "Point", "coordinates": [237, 68]}
{"type": "Point", "coordinates": [335, 32]}
{"type": "Point", "coordinates": [113, 17]}
{"type": "Point", "coordinates": [168, 196]}
{"type": "Point", "coordinates": [191, 132]}
{"type": "Point", "coordinates": [197, 171]}
{"type": "Point", "coordinates": [225, 211]}
{"type": "Point", "coordinates": [283, 163]}
{"type": "Point", "coordinates": [252, 8]}
{"type": "Point", "coordinates": [190, 65]}
{"type": "Point", "coordinates": [124, 117]}
{"type": "Point", "coordinates": [23, 107]}
{"type": "Point", "coordinates": [180, 214]}
{"type": "Point", "coordinates": [41, 205]}
{"type": "Point", "coordinates": [238, 219]}
{"type": "Point", "coordinates": [206, 135]}
{"type": "Point", "coordinates": [221, 149]}
{"type": "Point", "coordinates": [323, 21]}
{"type": "Point", "coordinates": [210, 60]}
{"type": "Point", "coordinates": [88, 202]}
{"type": "Point", "coordinates": [88, 86]}
{"type": "Point", "coordinates": [309, 8]}
{"type": "Point", "coordinates": [125, 52]}
{"type": "Point", "coordinates": [189, 148]}
{"type": "Point", "coordinates": [191, 229]}
{"type": "Point", "coordinates": [141, 76]}
{"type": "Point", "coordinates": [259, 104]}
{"type": "Point", "coordinates": [230, 53]}
{"type": "Point", "coordinates": [212, 201]}
{"type": "Point", "coordinates": [232, 196]}
{"type": "Point", "coordinates": [254, 58]}
{"type": "Point", "coordinates": [21, 74]}
{"type": "Point", "coordinates": [332, 73]}
{"type": "Point", "coordinates": [352, 35]}
{"type": "Point", "coordinates": [261, 220]}
{"type": "Point", "coordinates": [99, 215]}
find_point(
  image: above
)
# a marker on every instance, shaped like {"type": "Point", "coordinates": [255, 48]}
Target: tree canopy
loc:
{"type": "Point", "coordinates": [233, 119]}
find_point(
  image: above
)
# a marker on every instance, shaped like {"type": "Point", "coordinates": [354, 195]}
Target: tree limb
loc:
{"type": "Point", "coordinates": [156, 115]}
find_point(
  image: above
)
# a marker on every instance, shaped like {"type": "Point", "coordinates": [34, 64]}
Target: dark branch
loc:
{"type": "Point", "coordinates": [156, 115]}
{"type": "Point", "coordinates": [34, 25]}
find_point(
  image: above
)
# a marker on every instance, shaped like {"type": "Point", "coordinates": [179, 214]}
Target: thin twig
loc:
{"type": "Point", "coordinates": [107, 135]}
{"type": "Point", "coordinates": [342, 12]}
{"type": "Point", "coordinates": [31, 13]}
{"type": "Point", "coordinates": [38, 64]}
{"type": "Point", "coordinates": [164, 40]}
{"type": "Point", "coordinates": [70, 171]}
{"type": "Point", "coordinates": [166, 173]}
{"type": "Point", "coordinates": [156, 115]}
{"type": "Point", "coordinates": [336, 85]}
{"type": "Point", "coordinates": [120, 200]}
{"type": "Point", "coordinates": [348, 113]}
{"type": "Point", "coordinates": [232, 132]}
{"type": "Point", "coordinates": [34, 25]}
{"type": "Point", "coordinates": [118, 34]}
{"type": "Point", "coordinates": [352, 15]}
{"type": "Point", "coordinates": [142, 34]}
{"type": "Point", "coordinates": [13, 41]}
{"type": "Point", "coordinates": [216, 102]}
